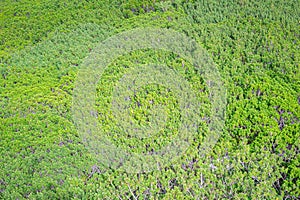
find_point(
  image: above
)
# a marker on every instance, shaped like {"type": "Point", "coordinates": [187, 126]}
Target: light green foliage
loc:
{"type": "Point", "coordinates": [255, 45]}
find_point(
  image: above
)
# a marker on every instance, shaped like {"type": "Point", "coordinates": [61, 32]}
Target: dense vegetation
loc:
{"type": "Point", "coordinates": [255, 45]}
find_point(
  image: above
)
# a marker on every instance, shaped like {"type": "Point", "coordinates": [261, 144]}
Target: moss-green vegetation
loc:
{"type": "Point", "coordinates": [255, 45]}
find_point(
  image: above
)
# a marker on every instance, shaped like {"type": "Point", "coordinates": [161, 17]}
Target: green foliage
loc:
{"type": "Point", "coordinates": [255, 46]}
